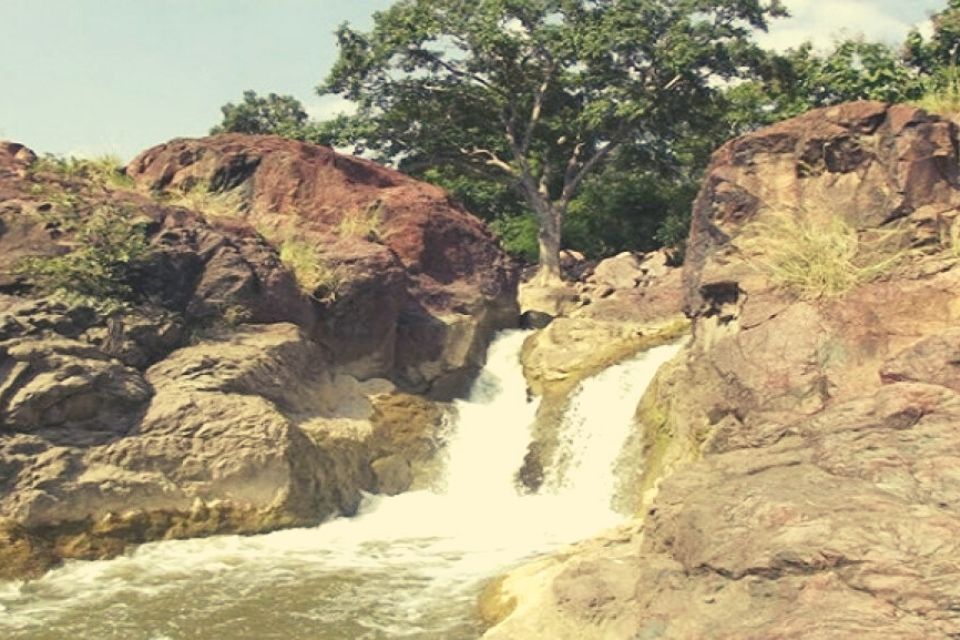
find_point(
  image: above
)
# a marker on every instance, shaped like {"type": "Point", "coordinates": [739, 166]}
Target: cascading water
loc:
{"type": "Point", "coordinates": [409, 566]}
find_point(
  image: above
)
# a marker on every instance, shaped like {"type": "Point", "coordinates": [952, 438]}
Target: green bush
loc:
{"type": "Point", "coordinates": [105, 170]}
{"type": "Point", "coordinates": [107, 251]}
{"type": "Point", "coordinates": [518, 235]}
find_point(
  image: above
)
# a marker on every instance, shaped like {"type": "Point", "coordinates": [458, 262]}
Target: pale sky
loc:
{"type": "Point", "coordinates": [85, 77]}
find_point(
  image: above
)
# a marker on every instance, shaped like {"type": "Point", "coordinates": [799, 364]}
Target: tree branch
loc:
{"type": "Point", "coordinates": [492, 159]}
{"type": "Point", "coordinates": [460, 73]}
{"type": "Point", "coordinates": [538, 98]}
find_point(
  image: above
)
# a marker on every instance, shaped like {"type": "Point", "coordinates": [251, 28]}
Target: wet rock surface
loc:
{"type": "Point", "coordinates": [620, 307]}
{"type": "Point", "coordinates": [797, 474]}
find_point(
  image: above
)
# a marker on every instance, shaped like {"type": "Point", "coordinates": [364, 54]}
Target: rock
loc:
{"type": "Point", "coordinates": [622, 271]}
{"type": "Point", "coordinates": [549, 301]}
{"type": "Point", "coordinates": [22, 555]}
{"type": "Point", "coordinates": [444, 280]}
{"type": "Point", "coordinates": [66, 384]}
{"type": "Point", "coordinates": [221, 397]}
{"type": "Point", "coordinates": [867, 162]}
{"type": "Point", "coordinates": [393, 473]}
{"type": "Point", "coordinates": [246, 431]}
{"type": "Point", "coordinates": [793, 470]}
{"type": "Point", "coordinates": [934, 360]}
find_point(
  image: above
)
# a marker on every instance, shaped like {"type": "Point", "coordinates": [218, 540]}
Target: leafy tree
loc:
{"type": "Point", "coordinates": [274, 114]}
{"type": "Point", "coordinates": [540, 92]}
{"type": "Point", "coordinates": [794, 82]}
{"type": "Point", "coordinates": [942, 50]}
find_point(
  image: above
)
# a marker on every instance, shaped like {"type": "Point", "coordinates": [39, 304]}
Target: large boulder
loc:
{"type": "Point", "coordinates": [246, 431]}
{"type": "Point", "coordinates": [429, 279]}
{"type": "Point", "coordinates": [219, 396]}
{"type": "Point", "coordinates": [797, 459]}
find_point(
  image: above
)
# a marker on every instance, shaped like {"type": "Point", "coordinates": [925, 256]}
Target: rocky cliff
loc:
{"type": "Point", "coordinates": [213, 387]}
{"type": "Point", "coordinates": [799, 458]}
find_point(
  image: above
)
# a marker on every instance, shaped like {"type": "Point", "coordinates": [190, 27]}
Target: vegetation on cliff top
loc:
{"type": "Point", "coordinates": [532, 112]}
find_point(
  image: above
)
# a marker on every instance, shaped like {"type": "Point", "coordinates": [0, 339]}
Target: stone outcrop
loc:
{"type": "Point", "coordinates": [427, 278]}
{"type": "Point", "coordinates": [245, 431]}
{"type": "Point", "coordinates": [219, 397]}
{"type": "Point", "coordinates": [623, 305]}
{"type": "Point", "coordinates": [798, 477]}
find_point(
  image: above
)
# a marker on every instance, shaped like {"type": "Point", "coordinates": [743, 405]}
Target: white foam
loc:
{"type": "Point", "coordinates": [392, 569]}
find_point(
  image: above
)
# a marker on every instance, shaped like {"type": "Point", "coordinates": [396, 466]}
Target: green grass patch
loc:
{"type": "Point", "coordinates": [212, 204]}
{"type": "Point", "coordinates": [943, 94]}
{"type": "Point", "coordinates": [315, 277]}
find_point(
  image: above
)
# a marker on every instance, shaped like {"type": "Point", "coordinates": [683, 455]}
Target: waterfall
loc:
{"type": "Point", "coordinates": [408, 566]}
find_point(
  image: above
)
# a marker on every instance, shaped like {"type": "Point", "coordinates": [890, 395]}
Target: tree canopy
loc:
{"type": "Point", "coordinates": [591, 117]}
{"type": "Point", "coordinates": [275, 114]}
{"type": "Point", "coordinates": [539, 93]}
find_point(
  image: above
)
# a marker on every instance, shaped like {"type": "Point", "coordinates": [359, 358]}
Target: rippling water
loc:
{"type": "Point", "coordinates": [409, 566]}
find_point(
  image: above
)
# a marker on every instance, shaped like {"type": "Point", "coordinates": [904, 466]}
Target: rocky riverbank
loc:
{"type": "Point", "coordinates": [799, 476]}
{"type": "Point", "coordinates": [224, 388]}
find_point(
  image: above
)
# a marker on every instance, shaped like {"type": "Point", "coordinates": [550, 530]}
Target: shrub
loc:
{"type": "Point", "coordinates": [813, 257]}
{"type": "Point", "coordinates": [518, 235]}
{"type": "Point", "coordinates": [942, 95]}
{"type": "Point", "coordinates": [108, 249]}
{"type": "Point", "coordinates": [104, 170]}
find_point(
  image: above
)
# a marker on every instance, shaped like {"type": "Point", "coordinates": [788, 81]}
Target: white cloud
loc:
{"type": "Point", "coordinates": [825, 22]}
{"type": "Point", "coordinates": [328, 107]}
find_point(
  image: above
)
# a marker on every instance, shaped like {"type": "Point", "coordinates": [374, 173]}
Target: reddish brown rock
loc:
{"type": "Point", "coordinates": [433, 319]}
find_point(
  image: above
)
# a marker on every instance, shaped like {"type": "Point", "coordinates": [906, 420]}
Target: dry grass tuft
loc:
{"type": "Point", "coordinates": [814, 258]}
{"type": "Point", "coordinates": [212, 204]}
{"type": "Point", "coordinates": [363, 222]}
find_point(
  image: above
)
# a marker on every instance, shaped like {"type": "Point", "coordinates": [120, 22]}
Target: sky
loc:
{"type": "Point", "coordinates": [89, 77]}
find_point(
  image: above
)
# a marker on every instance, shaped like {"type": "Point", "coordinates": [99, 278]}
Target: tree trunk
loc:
{"type": "Point", "coordinates": [551, 225]}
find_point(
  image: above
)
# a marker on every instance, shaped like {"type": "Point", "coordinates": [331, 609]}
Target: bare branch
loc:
{"type": "Point", "coordinates": [575, 176]}
{"type": "Point", "coordinates": [492, 159]}
{"type": "Point", "coordinates": [538, 98]}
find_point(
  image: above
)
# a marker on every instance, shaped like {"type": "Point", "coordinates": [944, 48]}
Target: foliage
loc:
{"type": "Point", "coordinates": [942, 49]}
{"type": "Point", "coordinates": [800, 79]}
{"type": "Point", "coordinates": [540, 92]}
{"type": "Point", "coordinates": [518, 235]}
{"type": "Point", "coordinates": [622, 209]}
{"type": "Point", "coordinates": [105, 170]}
{"type": "Point", "coordinates": [943, 94]}
{"type": "Point", "coordinates": [273, 114]}
{"type": "Point", "coordinates": [108, 251]}
{"type": "Point", "coordinates": [813, 257]}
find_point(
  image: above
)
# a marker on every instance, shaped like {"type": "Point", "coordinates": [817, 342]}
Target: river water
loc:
{"type": "Point", "coordinates": [409, 566]}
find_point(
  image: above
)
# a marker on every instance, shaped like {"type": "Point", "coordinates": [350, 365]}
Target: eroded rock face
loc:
{"type": "Point", "coordinates": [424, 282]}
{"type": "Point", "coordinates": [246, 431]}
{"type": "Point", "coordinates": [797, 476]}
{"type": "Point", "coordinates": [220, 398]}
